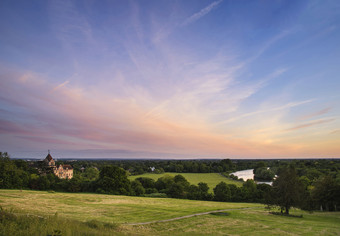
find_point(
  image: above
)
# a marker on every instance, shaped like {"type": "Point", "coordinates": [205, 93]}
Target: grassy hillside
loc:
{"type": "Point", "coordinates": [212, 179]}
{"type": "Point", "coordinates": [107, 208]}
{"type": "Point", "coordinates": [99, 214]}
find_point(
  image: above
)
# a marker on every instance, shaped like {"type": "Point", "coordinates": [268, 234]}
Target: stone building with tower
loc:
{"type": "Point", "coordinates": [49, 162]}
{"type": "Point", "coordinates": [63, 171]}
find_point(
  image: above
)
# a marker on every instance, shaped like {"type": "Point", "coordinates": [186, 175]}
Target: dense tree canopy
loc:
{"type": "Point", "coordinates": [222, 192]}
{"type": "Point", "coordinates": [113, 179]}
{"type": "Point", "coordinates": [264, 174]}
{"type": "Point", "coordinates": [326, 193]}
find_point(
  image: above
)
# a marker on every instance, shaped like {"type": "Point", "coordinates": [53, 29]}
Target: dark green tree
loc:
{"type": "Point", "coordinates": [137, 188]}
{"type": "Point", "coordinates": [181, 180]}
{"type": "Point", "coordinates": [226, 165]}
{"type": "Point", "coordinates": [326, 193]}
{"type": "Point", "coordinates": [203, 191]}
{"type": "Point", "coordinates": [248, 191]}
{"type": "Point", "coordinates": [179, 188]}
{"type": "Point", "coordinates": [113, 179]}
{"type": "Point", "coordinates": [44, 183]}
{"type": "Point", "coordinates": [287, 190]}
{"type": "Point", "coordinates": [164, 183]}
{"type": "Point", "coordinates": [91, 173]}
{"type": "Point", "coordinates": [11, 174]}
{"type": "Point", "coordinates": [222, 192]}
{"type": "Point", "coordinates": [234, 193]}
{"type": "Point", "coordinates": [264, 173]}
{"type": "Point", "coordinates": [74, 184]}
{"type": "Point", "coordinates": [147, 183]}
{"type": "Point", "coordinates": [193, 192]}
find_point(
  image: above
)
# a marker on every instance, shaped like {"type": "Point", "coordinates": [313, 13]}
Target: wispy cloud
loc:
{"type": "Point", "coordinates": [201, 13]}
{"type": "Point", "coordinates": [309, 124]}
{"type": "Point", "coordinates": [283, 107]}
{"type": "Point", "coordinates": [163, 30]}
{"type": "Point", "coordinates": [70, 25]}
{"type": "Point", "coordinates": [337, 131]}
{"type": "Point", "coordinates": [318, 113]}
{"type": "Point", "coordinates": [61, 85]}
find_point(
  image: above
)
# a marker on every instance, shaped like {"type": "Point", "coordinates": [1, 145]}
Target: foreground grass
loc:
{"type": "Point", "coordinates": [212, 179]}
{"type": "Point", "coordinates": [94, 214]}
{"type": "Point", "coordinates": [107, 208]}
{"type": "Point", "coordinates": [249, 222]}
{"type": "Point", "coordinates": [19, 224]}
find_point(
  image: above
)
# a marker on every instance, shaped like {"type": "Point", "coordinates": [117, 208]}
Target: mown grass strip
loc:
{"type": "Point", "coordinates": [212, 179]}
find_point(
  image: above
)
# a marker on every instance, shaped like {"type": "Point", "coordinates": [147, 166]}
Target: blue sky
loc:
{"type": "Point", "coordinates": [170, 79]}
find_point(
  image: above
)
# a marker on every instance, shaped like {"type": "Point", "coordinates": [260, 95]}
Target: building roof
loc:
{"type": "Point", "coordinates": [67, 166]}
{"type": "Point", "coordinates": [49, 157]}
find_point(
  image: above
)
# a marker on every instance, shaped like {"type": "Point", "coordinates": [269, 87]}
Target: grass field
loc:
{"type": "Point", "coordinates": [73, 209]}
{"type": "Point", "coordinates": [212, 179]}
{"type": "Point", "coordinates": [107, 208]}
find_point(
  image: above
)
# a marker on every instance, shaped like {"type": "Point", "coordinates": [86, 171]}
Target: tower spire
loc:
{"type": "Point", "coordinates": [48, 151]}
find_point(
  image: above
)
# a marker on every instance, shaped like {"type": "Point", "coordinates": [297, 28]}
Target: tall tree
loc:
{"type": "Point", "coordinates": [326, 193]}
{"type": "Point", "coordinates": [287, 190]}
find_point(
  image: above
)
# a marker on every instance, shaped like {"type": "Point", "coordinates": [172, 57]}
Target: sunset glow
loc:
{"type": "Point", "coordinates": [170, 79]}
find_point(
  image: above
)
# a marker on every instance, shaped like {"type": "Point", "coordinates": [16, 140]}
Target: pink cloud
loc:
{"type": "Point", "coordinates": [317, 122]}
{"type": "Point", "coordinates": [318, 113]}
{"type": "Point", "coordinates": [7, 127]}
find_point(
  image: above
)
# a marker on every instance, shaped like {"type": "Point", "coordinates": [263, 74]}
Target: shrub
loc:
{"type": "Point", "coordinates": [6, 216]}
{"type": "Point", "coordinates": [95, 224]}
{"type": "Point", "coordinates": [284, 214]}
{"type": "Point", "coordinates": [160, 195]}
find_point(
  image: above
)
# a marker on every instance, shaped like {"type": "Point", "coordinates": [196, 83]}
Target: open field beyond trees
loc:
{"type": "Point", "coordinates": [212, 179]}
{"type": "Point", "coordinates": [96, 214]}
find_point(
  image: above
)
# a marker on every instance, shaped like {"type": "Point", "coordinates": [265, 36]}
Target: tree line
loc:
{"type": "Point", "coordinates": [307, 184]}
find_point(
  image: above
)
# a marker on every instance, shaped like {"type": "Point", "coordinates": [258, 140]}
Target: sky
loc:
{"type": "Point", "coordinates": [170, 79]}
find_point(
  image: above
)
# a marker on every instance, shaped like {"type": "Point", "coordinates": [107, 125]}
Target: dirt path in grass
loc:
{"type": "Point", "coordinates": [188, 216]}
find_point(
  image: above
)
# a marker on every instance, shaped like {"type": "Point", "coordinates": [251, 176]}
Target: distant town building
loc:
{"type": "Point", "coordinates": [63, 171]}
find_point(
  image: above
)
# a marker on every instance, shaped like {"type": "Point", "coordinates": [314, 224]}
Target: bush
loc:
{"type": "Point", "coordinates": [56, 232]}
{"type": "Point", "coordinates": [284, 214]}
{"type": "Point", "coordinates": [95, 224]}
{"type": "Point", "coordinates": [151, 190]}
{"type": "Point", "coordinates": [110, 225]}
{"type": "Point", "coordinates": [160, 195]}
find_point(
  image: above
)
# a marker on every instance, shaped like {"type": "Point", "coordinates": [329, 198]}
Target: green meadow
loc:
{"type": "Point", "coordinates": [212, 179]}
{"type": "Point", "coordinates": [43, 213]}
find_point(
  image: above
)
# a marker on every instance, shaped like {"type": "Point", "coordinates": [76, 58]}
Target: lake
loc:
{"type": "Point", "coordinates": [248, 174]}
